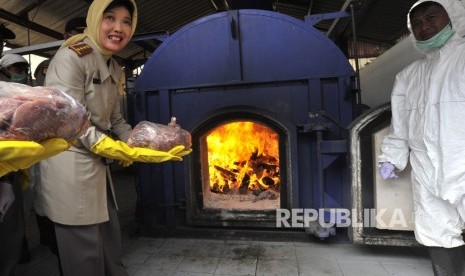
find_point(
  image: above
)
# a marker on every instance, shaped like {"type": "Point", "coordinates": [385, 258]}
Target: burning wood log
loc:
{"type": "Point", "coordinates": [240, 164]}
{"type": "Point", "coordinates": [268, 181]}
{"type": "Point", "coordinates": [220, 189]}
{"type": "Point", "coordinates": [216, 188]}
{"type": "Point", "coordinates": [258, 166]}
{"type": "Point", "coordinates": [244, 187]}
{"type": "Point", "coordinates": [226, 173]}
{"type": "Point", "coordinates": [226, 189]}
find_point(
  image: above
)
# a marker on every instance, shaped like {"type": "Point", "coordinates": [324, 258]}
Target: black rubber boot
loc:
{"type": "Point", "coordinates": [448, 261]}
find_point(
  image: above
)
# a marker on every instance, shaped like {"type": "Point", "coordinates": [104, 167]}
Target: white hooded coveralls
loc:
{"type": "Point", "coordinates": [428, 127]}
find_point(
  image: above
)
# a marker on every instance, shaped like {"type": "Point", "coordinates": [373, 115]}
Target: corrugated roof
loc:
{"type": "Point", "coordinates": [378, 22]}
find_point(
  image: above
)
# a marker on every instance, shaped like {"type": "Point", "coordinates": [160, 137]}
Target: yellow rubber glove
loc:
{"type": "Point", "coordinates": [121, 151]}
{"type": "Point", "coordinates": [20, 155]}
{"type": "Point", "coordinates": [18, 149]}
{"type": "Point", "coordinates": [180, 151]}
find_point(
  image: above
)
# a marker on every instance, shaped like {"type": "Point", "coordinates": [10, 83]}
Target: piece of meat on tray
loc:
{"type": "Point", "coordinates": [159, 137]}
{"type": "Point", "coordinates": [39, 113]}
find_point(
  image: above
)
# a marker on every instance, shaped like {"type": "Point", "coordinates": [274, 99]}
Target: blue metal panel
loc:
{"type": "Point", "coordinates": [258, 65]}
{"type": "Point", "coordinates": [242, 46]}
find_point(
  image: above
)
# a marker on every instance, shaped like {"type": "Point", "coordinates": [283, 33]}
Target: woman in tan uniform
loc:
{"type": "Point", "coordinates": [76, 190]}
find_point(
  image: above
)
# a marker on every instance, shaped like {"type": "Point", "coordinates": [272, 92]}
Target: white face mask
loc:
{"type": "Point", "coordinates": [438, 40]}
{"type": "Point", "coordinates": [19, 78]}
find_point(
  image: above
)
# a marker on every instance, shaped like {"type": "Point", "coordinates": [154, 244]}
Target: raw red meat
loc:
{"type": "Point", "coordinates": [158, 136]}
{"type": "Point", "coordinates": [7, 109]}
{"type": "Point", "coordinates": [39, 113]}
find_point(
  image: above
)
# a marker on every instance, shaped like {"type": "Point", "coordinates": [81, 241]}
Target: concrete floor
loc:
{"type": "Point", "coordinates": [235, 255]}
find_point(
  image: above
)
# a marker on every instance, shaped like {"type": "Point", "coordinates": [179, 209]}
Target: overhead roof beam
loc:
{"type": "Point", "coordinates": [367, 6]}
{"type": "Point", "coordinates": [8, 16]}
{"type": "Point", "coordinates": [31, 7]}
{"type": "Point", "coordinates": [310, 7]}
{"type": "Point", "coordinates": [344, 7]}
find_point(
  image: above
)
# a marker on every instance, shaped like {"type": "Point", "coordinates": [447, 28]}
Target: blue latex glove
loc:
{"type": "Point", "coordinates": [387, 171]}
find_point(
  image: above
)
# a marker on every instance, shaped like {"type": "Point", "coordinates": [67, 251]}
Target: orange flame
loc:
{"type": "Point", "coordinates": [243, 155]}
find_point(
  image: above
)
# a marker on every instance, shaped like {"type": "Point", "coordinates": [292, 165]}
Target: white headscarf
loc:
{"type": "Point", "coordinates": [454, 8]}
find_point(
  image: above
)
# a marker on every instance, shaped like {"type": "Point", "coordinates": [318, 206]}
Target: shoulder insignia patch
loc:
{"type": "Point", "coordinates": [81, 49]}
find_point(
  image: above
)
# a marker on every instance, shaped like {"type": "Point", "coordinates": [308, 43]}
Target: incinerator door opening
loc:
{"type": "Point", "coordinates": [240, 167]}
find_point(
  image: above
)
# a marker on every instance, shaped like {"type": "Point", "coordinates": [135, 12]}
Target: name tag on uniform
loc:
{"type": "Point", "coordinates": [96, 81]}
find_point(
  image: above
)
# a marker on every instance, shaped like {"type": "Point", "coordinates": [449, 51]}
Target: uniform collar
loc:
{"type": "Point", "coordinates": [108, 67]}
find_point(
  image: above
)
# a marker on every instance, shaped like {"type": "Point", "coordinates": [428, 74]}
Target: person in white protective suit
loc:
{"type": "Point", "coordinates": [427, 127]}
